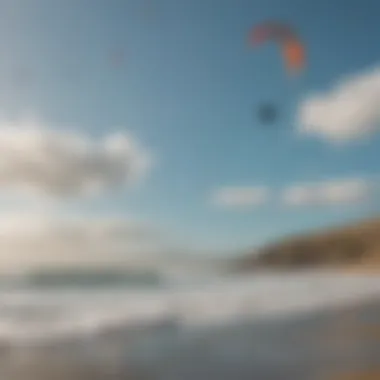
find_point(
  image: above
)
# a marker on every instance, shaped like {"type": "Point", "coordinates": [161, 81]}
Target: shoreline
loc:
{"type": "Point", "coordinates": [295, 347]}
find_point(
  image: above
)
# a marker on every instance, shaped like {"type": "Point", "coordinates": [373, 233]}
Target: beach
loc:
{"type": "Point", "coordinates": [305, 326]}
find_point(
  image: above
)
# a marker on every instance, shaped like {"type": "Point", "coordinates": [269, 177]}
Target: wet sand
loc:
{"type": "Point", "coordinates": [329, 345]}
{"type": "Point", "coordinates": [363, 375]}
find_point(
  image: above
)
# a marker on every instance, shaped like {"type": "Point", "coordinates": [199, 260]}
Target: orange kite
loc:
{"type": "Point", "coordinates": [293, 50]}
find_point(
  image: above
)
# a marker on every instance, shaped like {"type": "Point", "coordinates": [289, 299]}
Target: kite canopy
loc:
{"type": "Point", "coordinates": [293, 50]}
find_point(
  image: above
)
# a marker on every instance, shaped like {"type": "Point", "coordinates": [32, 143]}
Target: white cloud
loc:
{"type": "Point", "coordinates": [350, 110]}
{"type": "Point", "coordinates": [36, 240]}
{"type": "Point", "coordinates": [36, 160]}
{"type": "Point", "coordinates": [240, 197]}
{"type": "Point", "coordinates": [344, 191]}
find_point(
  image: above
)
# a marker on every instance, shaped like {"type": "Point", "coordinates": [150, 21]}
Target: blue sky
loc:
{"type": "Point", "coordinates": [188, 89]}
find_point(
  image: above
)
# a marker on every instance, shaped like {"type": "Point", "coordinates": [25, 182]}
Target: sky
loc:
{"type": "Point", "coordinates": [131, 113]}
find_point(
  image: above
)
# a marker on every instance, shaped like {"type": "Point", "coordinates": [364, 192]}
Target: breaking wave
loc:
{"type": "Point", "coordinates": [29, 313]}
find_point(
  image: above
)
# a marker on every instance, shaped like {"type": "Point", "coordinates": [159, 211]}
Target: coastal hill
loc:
{"type": "Point", "coordinates": [355, 246]}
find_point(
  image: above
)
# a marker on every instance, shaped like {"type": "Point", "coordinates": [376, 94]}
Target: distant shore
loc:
{"type": "Point", "coordinates": [352, 248]}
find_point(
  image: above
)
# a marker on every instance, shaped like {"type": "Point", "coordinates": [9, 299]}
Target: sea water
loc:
{"type": "Point", "coordinates": [29, 312]}
{"type": "Point", "coordinates": [154, 316]}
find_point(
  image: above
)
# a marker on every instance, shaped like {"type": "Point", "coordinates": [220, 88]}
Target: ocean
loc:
{"type": "Point", "coordinates": [227, 327]}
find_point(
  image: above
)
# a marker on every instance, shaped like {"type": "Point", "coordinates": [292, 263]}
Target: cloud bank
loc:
{"type": "Point", "coordinates": [332, 192]}
{"type": "Point", "coordinates": [41, 164]}
{"type": "Point", "coordinates": [350, 110]}
{"type": "Point", "coordinates": [30, 241]}
{"type": "Point", "coordinates": [240, 197]}
{"type": "Point", "coordinates": [36, 160]}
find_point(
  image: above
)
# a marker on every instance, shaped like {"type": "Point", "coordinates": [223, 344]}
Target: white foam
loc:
{"type": "Point", "coordinates": [59, 314]}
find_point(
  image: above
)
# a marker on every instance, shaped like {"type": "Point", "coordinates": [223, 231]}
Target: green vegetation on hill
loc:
{"type": "Point", "coordinates": [356, 245]}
